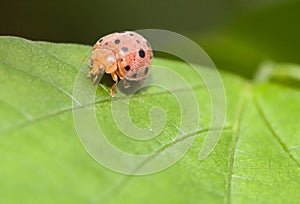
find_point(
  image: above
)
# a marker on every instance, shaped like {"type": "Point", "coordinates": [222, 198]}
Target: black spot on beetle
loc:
{"type": "Point", "coordinates": [100, 40]}
{"type": "Point", "coordinates": [124, 49]}
{"type": "Point", "coordinates": [106, 43]}
{"type": "Point", "coordinates": [141, 53]}
{"type": "Point", "coordinates": [117, 41]}
{"type": "Point", "coordinates": [138, 41]}
{"type": "Point", "coordinates": [127, 68]}
{"type": "Point", "coordinates": [134, 75]}
{"type": "Point", "coordinates": [131, 34]}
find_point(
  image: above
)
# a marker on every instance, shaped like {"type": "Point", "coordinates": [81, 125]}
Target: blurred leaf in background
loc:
{"type": "Point", "coordinates": [237, 34]}
{"type": "Point", "coordinates": [268, 33]}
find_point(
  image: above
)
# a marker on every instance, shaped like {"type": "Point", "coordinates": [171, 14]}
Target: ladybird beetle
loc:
{"type": "Point", "coordinates": [125, 56]}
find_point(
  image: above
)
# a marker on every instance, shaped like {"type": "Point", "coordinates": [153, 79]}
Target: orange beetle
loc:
{"type": "Point", "coordinates": [126, 56]}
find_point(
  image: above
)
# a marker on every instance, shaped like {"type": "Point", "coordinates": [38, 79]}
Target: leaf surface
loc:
{"type": "Point", "coordinates": [257, 159]}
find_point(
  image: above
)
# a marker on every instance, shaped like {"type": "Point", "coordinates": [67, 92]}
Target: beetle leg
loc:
{"type": "Point", "coordinates": [94, 72]}
{"type": "Point", "coordinates": [114, 76]}
{"type": "Point", "coordinates": [95, 80]}
{"type": "Point", "coordinates": [126, 84]}
{"type": "Point", "coordinates": [88, 74]}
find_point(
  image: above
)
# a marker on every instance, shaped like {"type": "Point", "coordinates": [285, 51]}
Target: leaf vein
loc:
{"type": "Point", "coordinates": [41, 79]}
{"type": "Point", "coordinates": [121, 185]}
{"type": "Point", "coordinates": [66, 110]}
{"type": "Point", "coordinates": [274, 134]}
{"type": "Point", "coordinates": [234, 140]}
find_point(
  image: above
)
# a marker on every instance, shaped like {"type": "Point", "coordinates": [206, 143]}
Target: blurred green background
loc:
{"type": "Point", "coordinates": [237, 34]}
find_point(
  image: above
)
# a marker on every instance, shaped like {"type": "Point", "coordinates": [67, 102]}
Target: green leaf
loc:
{"type": "Point", "coordinates": [257, 159]}
{"type": "Point", "coordinates": [269, 32]}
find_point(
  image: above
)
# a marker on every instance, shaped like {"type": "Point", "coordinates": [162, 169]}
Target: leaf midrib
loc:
{"type": "Point", "coordinates": [98, 102]}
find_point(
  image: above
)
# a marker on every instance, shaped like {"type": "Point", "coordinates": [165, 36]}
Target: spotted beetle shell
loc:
{"type": "Point", "coordinates": [128, 54]}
